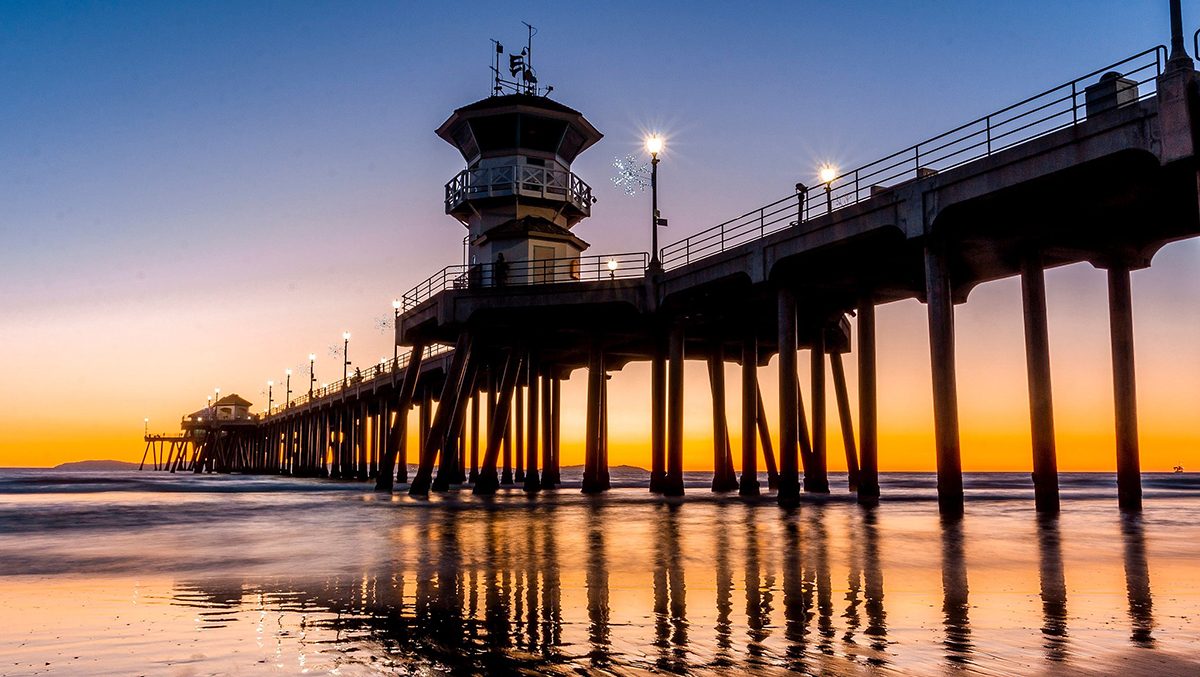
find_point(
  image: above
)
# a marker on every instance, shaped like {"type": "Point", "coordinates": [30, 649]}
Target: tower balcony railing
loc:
{"type": "Point", "coordinates": [529, 272]}
{"type": "Point", "coordinates": [519, 180]}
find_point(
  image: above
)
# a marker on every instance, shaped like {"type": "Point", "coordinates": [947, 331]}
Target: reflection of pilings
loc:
{"type": "Point", "coordinates": [955, 606]}
{"type": "Point", "coordinates": [597, 592]}
{"type": "Point", "coordinates": [670, 607]}
{"type": "Point", "coordinates": [796, 601]}
{"type": "Point", "coordinates": [873, 579]}
{"type": "Point", "coordinates": [495, 599]}
{"type": "Point", "coordinates": [1053, 588]}
{"type": "Point", "coordinates": [533, 559]}
{"type": "Point", "coordinates": [1137, 581]}
{"type": "Point", "coordinates": [821, 578]}
{"type": "Point", "coordinates": [854, 583]}
{"type": "Point", "coordinates": [552, 595]}
{"type": "Point", "coordinates": [723, 628]}
{"type": "Point", "coordinates": [757, 609]}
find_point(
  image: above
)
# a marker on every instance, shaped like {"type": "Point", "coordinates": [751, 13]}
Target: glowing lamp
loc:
{"type": "Point", "coordinates": [654, 144]}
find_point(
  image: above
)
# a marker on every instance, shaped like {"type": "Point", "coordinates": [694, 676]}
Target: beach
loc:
{"type": "Point", "coordinates": [150, 573]}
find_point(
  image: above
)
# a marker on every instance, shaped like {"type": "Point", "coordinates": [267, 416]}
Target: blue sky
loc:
{"type": "Point", "coordinates": [192, 192]}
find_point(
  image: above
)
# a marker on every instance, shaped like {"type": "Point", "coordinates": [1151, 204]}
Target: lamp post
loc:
{"type": "Point", "coordinates": [654, 146]}
{"type": "Point", "coordinates": [216, 397]}
{"type": "Point", "coordinates": [146, 428]}
{"type": "Point", "coordinates": [612, 269]}
{"type": "Point", "coordinates": [270, 400]}
{"type": "Point", "coordinates": [288, 401]}
{"type": "Point", "coordinates": [345, 356]}
{"type": "Point", "coordinates": [827, 174]}
{"type": "Point", "coordinates": [312, 374]}
{"type": "Point", "coordinates": [395, 328]}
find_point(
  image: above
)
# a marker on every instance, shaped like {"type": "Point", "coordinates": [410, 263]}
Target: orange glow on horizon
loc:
{"type": "Point", "coordinates": [99, 409]}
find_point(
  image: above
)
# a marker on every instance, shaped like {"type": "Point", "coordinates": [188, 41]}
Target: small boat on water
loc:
{"type": "Point", "coordinates": [1178, 469]}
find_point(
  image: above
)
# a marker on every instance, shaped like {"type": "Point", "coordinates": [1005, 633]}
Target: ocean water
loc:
{"type": "Point", "coordinates": [127, 573]}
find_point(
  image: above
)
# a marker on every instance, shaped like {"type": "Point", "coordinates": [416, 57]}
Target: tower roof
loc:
{"type": "Point", "coordinates": [537, 226]}
{"type": "Point", "coordinates": [234, 400]}
{"type": "Point", "coordinates": [500, 125]}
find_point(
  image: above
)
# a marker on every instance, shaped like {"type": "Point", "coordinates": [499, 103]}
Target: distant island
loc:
{"type": "Point", "coordinates": [97, 465]}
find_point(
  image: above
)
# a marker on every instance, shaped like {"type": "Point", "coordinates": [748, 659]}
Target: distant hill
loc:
{"type": "Point", "coordinates": [97, 465]}
{"type": "Point", "coordinates": [613, 468]}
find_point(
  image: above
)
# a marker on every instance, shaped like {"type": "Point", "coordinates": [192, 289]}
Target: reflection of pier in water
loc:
{"type": "Point", "coordinates": [475, 599]}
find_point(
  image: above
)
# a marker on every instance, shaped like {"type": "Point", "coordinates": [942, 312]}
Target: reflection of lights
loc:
{"type": "Point", "coordinates": [827, 173]}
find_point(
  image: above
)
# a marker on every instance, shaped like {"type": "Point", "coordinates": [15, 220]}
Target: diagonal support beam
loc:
{"type": "Point", "coordinates": [488, 481]}
{"type": "Point", "coordinates": [408, 387]}
{"type": "Point", "coordinates": [446, 411]}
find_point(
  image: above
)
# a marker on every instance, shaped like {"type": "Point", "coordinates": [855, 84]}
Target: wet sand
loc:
{"type": "Point", "coordinates": [138, 574]}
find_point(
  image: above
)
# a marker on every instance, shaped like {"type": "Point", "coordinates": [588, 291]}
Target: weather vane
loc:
{"type": "Point", "coordinates": [633, 175]}
{"type": "Point", "coordinates": [520, 69]}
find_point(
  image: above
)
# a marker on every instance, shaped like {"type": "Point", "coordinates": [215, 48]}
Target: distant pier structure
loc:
{"type": "Point", "coordinates": [1101, 169]}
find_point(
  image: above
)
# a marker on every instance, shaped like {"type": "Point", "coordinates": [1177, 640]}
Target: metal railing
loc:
{"type": "Point", "coordinates": [528, 272]}
{"type": "Point", "coordinates": [360, 377]}
{"type": "Point", "coordinates": [518, 179]}
{"type": "Point", "coordinates": [1050, 111]}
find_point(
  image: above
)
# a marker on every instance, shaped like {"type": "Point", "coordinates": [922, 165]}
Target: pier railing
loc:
{"type": "Point", "coordinates": [362, 376]}
{"type": "Point", "coordinates": [528, 272]}
{"type": "Point", "coordinates": [1050, 111]}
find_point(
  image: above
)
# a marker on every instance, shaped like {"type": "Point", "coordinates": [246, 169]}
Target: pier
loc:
{"type": "Point", "coordinates": [1099, 170]}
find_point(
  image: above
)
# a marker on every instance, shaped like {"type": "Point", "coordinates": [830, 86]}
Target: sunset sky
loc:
{"type": "Point", "coordinates": [198, 195]}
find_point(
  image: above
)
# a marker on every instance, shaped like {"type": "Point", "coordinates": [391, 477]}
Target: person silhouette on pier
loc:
{"type": "Point", "coordinates": [500, 271]}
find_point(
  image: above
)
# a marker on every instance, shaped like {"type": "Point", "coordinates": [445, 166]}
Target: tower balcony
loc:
{"type": "Point", "coordinates": [518, 180]}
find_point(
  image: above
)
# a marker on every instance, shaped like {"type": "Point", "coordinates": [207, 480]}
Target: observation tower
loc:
{"type": "Point", "coordinates": [517, 196]}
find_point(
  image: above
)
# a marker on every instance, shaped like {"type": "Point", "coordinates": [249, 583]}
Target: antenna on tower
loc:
{"type": "Point", "coordinates": [527, 75]}
{"type": "Point", "coordinates": [497, 53]}
{"type": "Point", "coordinates": [520, 68]}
